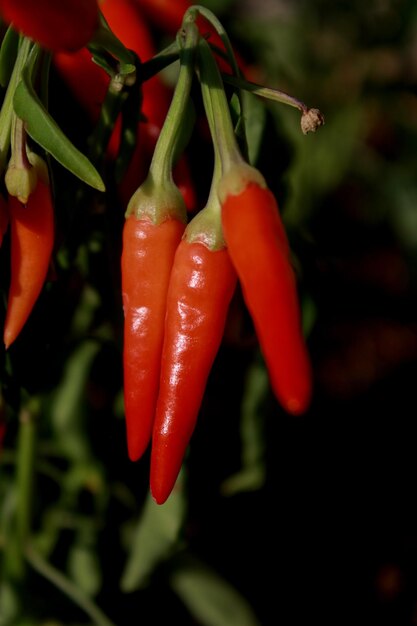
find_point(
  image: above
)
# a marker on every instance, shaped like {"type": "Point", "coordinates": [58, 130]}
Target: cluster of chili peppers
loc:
{"type": "Point", "coordinates": [178, 274]}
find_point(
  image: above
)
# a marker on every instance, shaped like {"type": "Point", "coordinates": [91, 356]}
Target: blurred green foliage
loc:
{"type": "Point", "coordinates": [274, 520]}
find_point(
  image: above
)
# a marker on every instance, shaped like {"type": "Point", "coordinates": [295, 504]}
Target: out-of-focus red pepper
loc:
{"type": "Point", "coordinates": [89, 84]}
{"type": "Point", "coordinates": [56, 25]}
{"type": "Point", "coordinates": [32, 240]}
{"type": "Point", "coordinates": [164, 14]}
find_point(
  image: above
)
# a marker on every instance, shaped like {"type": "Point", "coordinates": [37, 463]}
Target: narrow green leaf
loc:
{"type": "Point", "coordinates": [211, 599]}
{"type": "Point", "coordinates": [83, 568]}
{"type": "Point", "coordinates": [253, 471]}
{"type": "Point", "coordinates": [45, 131]}
{"type": "Point", "coordinates": [254, 113]}
{"type": "Point", "coordinates": [68, 404]}
{"type": "Point", "coordinates": [155, 537]}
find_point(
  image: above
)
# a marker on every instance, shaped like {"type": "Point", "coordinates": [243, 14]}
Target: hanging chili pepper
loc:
{"type": "Point", "coordinates": [201, 286]}
{"type": "Point", "coordinates": [147, 257]}
{"type": "Point", "coordinates": [155, 222]}
{"type": "Point", "coordinates": [259, 250]}
{"type": "Point", "coordinates": [32, 239]}
{"type": "Point", "coordinates": [56, 25]}
{"type": "Point", "coordinates": [200, 289]}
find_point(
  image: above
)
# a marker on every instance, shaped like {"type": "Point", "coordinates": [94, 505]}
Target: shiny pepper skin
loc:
{"type": "Point", "coordinates": [200, 289]}
{"type": "Point", "coordinates": [32, 240]}
{"type": "Point", "coordinates": [54, 24]}
{"type": "Point", "coordinates": [259, 250]}
{"type": "Point", "coordinates": [147, 257]}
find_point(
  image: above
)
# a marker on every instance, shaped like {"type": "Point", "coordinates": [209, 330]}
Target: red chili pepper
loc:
{"type": "Point", "coordinates": [55, 24]}
{"type": "Point", "coordinates": [86, 80]}
{"type": "Point", "coordinates": [258, 247]}
{"type": "Point", "coordinates": [200, 289]}
{"type": "Point", "coordinates": [147, 257]}
{"type": "Point", "coordinates": [32, 239]}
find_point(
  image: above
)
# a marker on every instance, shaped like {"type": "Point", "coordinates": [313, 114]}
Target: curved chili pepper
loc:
{"type": "Point", "coordinates": [32, 239]}
{"type": "Point", "coordinates": [147, 257]}
{"type": "Point", "coordinates": [258, 247]}
{"type": "Point", "coordinates": [56, 25]}
{"type": "Point", "coordinates": [200, 289]}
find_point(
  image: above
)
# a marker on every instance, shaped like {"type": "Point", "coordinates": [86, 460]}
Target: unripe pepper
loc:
{"type": "Point", "coordinates": [200, 289]}
{"type": "Point", "coordinates": [32, 239]}
{"type": "Point", "coordinates": [259, 250]}
{"type": "Point", "coordinates": [54, 24]}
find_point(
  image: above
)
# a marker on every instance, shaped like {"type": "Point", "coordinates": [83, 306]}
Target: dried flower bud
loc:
{"type": "Point", "coordinates": [311, 120]}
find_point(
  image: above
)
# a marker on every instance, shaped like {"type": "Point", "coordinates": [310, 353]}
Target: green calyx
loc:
{"type": "Point", "coordinates": [157, 203]}
{"type": "Point", "coordinates": [206, 228]}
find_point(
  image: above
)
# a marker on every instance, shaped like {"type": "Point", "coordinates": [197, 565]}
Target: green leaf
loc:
{"type": "Point", "coordinates": [45, 131]}
{"type": "Point", "coordinates": [155, 538]}
{"type": "Point", "coordinates": [210, 598]}
{"type": "Point", "coordinates": [253, 471]}
{"type": "Point", "coordinates": [254, 113]}
{"type": "Point", "coordinates": [84, 569]}
{"type": "Point", "coordinates": [8, 53]}
{"type": "Point", "coordinates": [9, 605]}
{"type": "Point", "coordinates": [68, 404]}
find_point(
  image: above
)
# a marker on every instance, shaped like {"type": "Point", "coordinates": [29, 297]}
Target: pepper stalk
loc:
{"type": "Point", "coordinates": [158, 197]}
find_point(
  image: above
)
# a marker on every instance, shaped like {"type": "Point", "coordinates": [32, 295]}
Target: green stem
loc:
{"type": "Point", "coordinates": [164, 153]}
{"type": "Point", "coordinates": [265, 92]}
{"type": "Point", "coordinates": [110, 109]}
{"type": "Point", "coordinates": [212, 200]}
{"type": "Point", "coordinates": [212, 18]}
{"type": "Point", "coordinates": [60, 581]}
{"type": "Point", "coordinates": [24, 489]}
{"type": "Point", "coordinates": [160, 61]}
{"type": "Point", "coordinates": [18, 140]}
{"type": "Point", "coordinates": [7, 106]}
{"type": "Point", "coordinates": [213, 90]}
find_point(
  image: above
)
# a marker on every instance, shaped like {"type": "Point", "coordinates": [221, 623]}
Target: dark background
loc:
{"type": "Point", "coordinates": [278, 520]}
